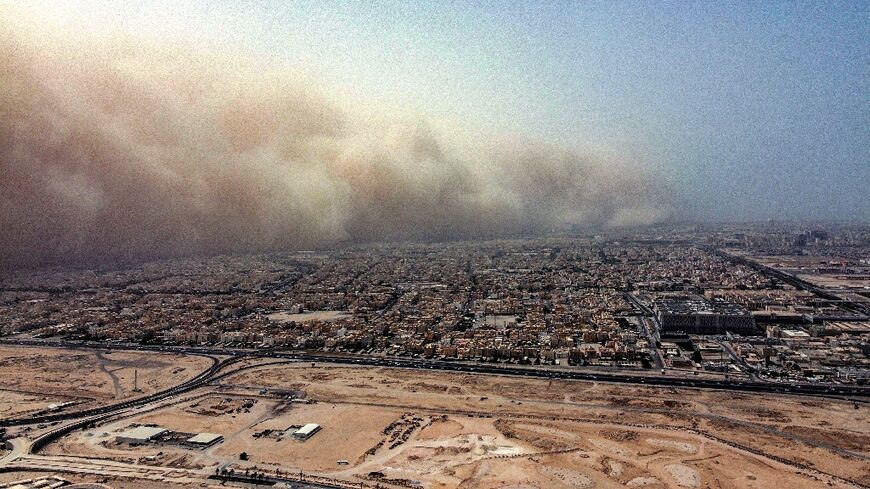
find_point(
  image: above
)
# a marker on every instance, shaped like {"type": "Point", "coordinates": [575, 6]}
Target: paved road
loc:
{"type": "Point", "coordinates": [191, 384]}
{"type": "Point", "coordinates": [102, 467]}
{"type": "Point", "coordinates": [856, 308]}
{"type": "Point", "coordinates": [648, 315]}
{"type": "Point", "coordinates": [806, 389]}
{"type": "Point", "coordinates": [20, 446]}
{"type": "Point", "coordinates": [22, 458]}
{"type": "Point", "coordinates": [747, 369]}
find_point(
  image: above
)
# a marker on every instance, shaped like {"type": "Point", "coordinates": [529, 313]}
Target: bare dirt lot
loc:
{"type": "Point", "coordinates": [406, 428]}
{"type": "Point", "coordinates": [31, 379]}
{"type": "Point", "coordinates": [113, 482]}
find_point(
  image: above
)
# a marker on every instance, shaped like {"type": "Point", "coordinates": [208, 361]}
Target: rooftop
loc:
{"type": "Point", "coordinates": [307, 429]}
{"type": "Point", "coordinates": [204, 438]}
{"type": "Point", "coordinates": [144, 433]}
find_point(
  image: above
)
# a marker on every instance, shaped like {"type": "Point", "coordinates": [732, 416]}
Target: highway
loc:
{"type": "Point", "coordinates": [191, 384]}
{"type": "Point", "coordinates": [791, 388]}
{"type": "Point", "coordinates": [798, 388]}
{"type": "Point", "coordinates": [23, 455]}
{"type": "Point", "coordinates": [852, 307]}
{"type": "Point", "coordinates": [648, 315]}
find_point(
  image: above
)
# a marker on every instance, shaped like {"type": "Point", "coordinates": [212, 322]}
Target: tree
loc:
{"type": "Point", "coordinates": [243, 456]}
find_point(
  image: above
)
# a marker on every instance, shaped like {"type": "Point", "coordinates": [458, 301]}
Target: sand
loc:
{"type": "Point", "coordinates": [405, 428]}
{"type": "Point", "coordinates": [33, 378]}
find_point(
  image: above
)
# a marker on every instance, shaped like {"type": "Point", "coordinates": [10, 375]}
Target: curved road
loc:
{"type": "Point", "coordinates": [21, 456]}
{"type": "Point", "coordinates": [193, 383]}
{"type": "Point", "coordinates": [798, 388]}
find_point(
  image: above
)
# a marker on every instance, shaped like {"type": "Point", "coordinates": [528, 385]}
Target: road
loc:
{"type": "Point", "coordinates": [737, 359]}
{"type": "Point", "coordinates": [826, 390]}
{"type": "Point", "coordinates": [116, 382]}
{"type": "Point", "coordinates": [801, 388]}
{"type": "Point", "coordinates": [191, 384]}
{"type": "Point", "coordinates": [648, 315]}
{"type": "Point", "coordinates": [23, 455]}
{"type": "Point", "coordinates": [853, 307]}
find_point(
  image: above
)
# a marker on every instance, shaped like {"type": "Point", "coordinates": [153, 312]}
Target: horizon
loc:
{"type": "Point", "coordinates": [156, 130]}
{"type": "Point", "coordinates": [600, 235]}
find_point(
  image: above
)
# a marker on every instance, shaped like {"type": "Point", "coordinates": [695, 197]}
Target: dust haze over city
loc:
{"type": "Point", "coordinates": [434, 245]}
{"type": "Point", "coordinates": [123, 146]}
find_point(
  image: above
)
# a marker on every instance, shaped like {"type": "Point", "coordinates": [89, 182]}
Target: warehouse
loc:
{"type": "Point", "coordinates": [140, 435]}
{"type": "Point", "coordinates": [203, 440]}
{"type": "Point", "coordinates": [306, 431]}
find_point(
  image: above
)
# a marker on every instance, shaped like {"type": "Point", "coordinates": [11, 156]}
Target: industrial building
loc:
{"type": "Point", "coordinates": [696, 315]}
{"type": "Point", "coordinates": [306, 431]}
{"type": "Point", "coordinates": [203, 440]}
{"type": "Point", "coordinates": [140, 435]}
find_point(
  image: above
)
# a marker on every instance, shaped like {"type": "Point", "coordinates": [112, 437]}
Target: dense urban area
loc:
{"type": "Point", "coordinates": [676, 357]}
{"type": "Point", "coordinates": [777, 302]}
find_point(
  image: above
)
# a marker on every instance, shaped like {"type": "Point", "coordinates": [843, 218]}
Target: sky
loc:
{"type": "Point", "coordinates": [160, 128]}
{"type": "Point", "coordinates": [752, 109]}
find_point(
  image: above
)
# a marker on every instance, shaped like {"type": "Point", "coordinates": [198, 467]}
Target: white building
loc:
{"type": "Point", "coordinates": [306, 431]}
{"type": "Point", "coordinates": [205, 439]}
{"type": "Point", "coordinates": [140, 435]}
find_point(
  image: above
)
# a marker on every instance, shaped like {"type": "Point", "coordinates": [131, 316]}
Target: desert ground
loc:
{"type": "Point", "coordinates": [32, 379]}
{"type": "Point", "coordinates": [12, 477]}
{"type": "Point", "coordinates": [410, 428]}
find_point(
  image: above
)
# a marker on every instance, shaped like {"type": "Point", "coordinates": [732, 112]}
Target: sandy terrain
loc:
{"type": "Point", "coordinates": [345, 434]}
{"type": "Point", "coordinates": [14, 403]}
{"type": "Point", "coordinates": [438, 430]}
{"type": "Point", "coordinates": [113, 482]}
{"type": "Point", "coordinates": [33, 378]}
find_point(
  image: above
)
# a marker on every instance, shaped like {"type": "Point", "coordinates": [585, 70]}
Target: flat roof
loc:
{"type": "Point", "coordinates": [143, 432]}
{"type": "Point", "coordinates": [204, 438]}
{"type": "Point", "coordinates": [307, 429]}
{"type": "Point", "coordinates": [795, 333]}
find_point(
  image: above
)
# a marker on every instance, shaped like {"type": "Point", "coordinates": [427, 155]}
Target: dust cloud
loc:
{"type": "Point", "coordinates": [114, 149]}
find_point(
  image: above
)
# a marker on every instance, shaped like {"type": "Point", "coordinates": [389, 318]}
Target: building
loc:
{"type": "Point", "coordinates": [795, 335]}
{"type": "Point", "coordinates": [203, 440]}
{"type": "Point", "coordinates": [306, 431]}
{"type": "Point", "coordinates": [696, 315]}
{"type": "Point", "coordinates": [140, 435]}
{"type": "Point", "coordinates": [779, 317]}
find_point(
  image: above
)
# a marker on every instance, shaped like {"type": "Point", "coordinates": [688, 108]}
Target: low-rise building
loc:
{"type": "Point", "coordinates": [306, 431]}
{"type": "Point", "coordinates": [140, 435]}
{"type": "Point", "coordinates": [205, 439]}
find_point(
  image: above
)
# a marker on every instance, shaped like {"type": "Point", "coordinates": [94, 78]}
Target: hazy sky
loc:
{"type": "Point", "coordinates": [346, 120]}
{"type": "Point", "coordinates": [754, 109]}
